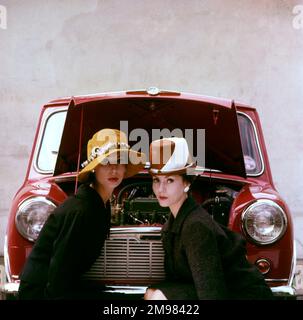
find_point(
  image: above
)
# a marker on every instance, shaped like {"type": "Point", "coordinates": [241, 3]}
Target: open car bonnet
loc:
{"type": "Point", "coordinates": [188, 113]}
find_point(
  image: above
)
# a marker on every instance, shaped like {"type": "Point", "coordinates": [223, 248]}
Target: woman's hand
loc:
{"type": "Point", "coordinates": [154, 294]}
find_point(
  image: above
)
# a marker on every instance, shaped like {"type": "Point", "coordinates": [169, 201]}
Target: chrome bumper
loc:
{"type": "Point", "coordinates": [11, 289]}
{"type": "Point", "coordinates": [284, 292]}
{"type": "Point", "coordinates": [8, 290]}
{"type": "Point", "coordinates": [281, 291]}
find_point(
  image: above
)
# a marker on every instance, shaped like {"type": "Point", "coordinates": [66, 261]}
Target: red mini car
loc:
{"type": "Point", "coordinates": [234, 184]}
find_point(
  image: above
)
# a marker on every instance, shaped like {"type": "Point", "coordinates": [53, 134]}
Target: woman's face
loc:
{"type": "Point", "coordinates": [110, 175]}
{"type": "Point", "coordinates": [169, 190]}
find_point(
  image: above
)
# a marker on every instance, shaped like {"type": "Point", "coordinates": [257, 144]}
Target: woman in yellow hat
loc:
{"type": "Point", "coordinates": [203, 260]}
{"type": "Point", "coordinates": [74, 234]}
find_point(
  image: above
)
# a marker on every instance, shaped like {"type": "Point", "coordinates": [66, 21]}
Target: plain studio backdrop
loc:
{"type": "Point", "coordinates": [246, 50]}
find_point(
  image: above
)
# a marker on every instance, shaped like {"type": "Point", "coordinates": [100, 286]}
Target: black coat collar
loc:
{"type": "Point", "coordinates": [175, 224]}
{"type": "Point", "coordinates": [88, 193]}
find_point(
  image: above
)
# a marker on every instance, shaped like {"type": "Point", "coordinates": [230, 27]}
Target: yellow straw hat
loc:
{"type": "Point", "coordinates": [111, 143]}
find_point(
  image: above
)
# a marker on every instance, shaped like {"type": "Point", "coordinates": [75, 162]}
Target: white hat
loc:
{"type": "Point", "coordinates": [169, 156]}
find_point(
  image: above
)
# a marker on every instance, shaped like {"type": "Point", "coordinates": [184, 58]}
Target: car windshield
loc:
{"type": "Point", "coordinates": [250, 146]}
{"type": "Point", "coordinates": [54, 124]}
{"type": "Point", "coordinates": [50, 142]}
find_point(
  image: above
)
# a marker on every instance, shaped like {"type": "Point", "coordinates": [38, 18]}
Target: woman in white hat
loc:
{"type": "Point", "coordinates": [203, 260]}
{"type": "Point", "coordinates": [74, 234]}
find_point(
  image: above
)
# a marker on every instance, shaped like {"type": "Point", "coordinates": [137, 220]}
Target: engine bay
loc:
{"type": "Point", "coordinates": [134, 203]}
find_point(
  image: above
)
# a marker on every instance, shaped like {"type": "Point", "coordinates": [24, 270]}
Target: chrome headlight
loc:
{"type": "Point", "coordinates": [31, 216]}
{"type": "Point", "coordinates": [264, 221]}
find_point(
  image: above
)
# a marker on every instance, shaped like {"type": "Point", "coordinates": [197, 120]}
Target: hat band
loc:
{"type": "Point", "coordinates": [171, 170]}
{"type": "Point", "coordinates": [99, 151]}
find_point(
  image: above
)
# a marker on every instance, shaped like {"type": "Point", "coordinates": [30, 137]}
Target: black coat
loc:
{"type": "Point", "coordinates": [204, 260]}
{"type": "Point", "coordinates": [69, 243]}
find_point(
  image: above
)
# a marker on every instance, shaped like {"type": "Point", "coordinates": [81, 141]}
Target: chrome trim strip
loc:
{"type": "Point", "coordinates": [293, 264]}
{"type": "Point", "coordinates": [126, 289]}
{"type": "Point", "coordinates": [103, 94]}
{"type": "Point", "coordinates": [276, 280]}
{"type": "Point", "coordinates": [258, 145]}
{"type": "Point", "coordinates": [6, 260]}
{"type": "Point", "coordinates": [283, 291]}
{"type": "Point", "coordinates": [47, 114]}
{"type": "Point", "coordinates": [139, 230]}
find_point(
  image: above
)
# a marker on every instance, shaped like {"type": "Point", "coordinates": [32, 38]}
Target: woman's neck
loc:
{"type": "Point", "coordinates": [177, 205]}
{"type": "Point", "coordinates": [105, 194]}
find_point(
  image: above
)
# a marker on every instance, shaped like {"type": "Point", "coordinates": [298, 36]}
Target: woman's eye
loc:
{"type": "Point", "coordinates": [155, 180]}
{"type": "Point", "coordinates": [170, 180]}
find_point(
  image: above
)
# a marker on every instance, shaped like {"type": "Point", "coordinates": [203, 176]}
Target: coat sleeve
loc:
{"type": "Point", "coordinates": [35, 270]}
{"type": "Point", "coordinates": [72, 253]}
{"type": "Point", "coordinates": [204, 260]}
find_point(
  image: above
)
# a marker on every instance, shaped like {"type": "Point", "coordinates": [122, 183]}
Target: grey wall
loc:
{"type": "Point", "coordinates": [247, 50]}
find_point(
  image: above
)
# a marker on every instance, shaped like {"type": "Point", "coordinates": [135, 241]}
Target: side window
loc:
{"type": "Point", "coordinates": [250, 147]}
{"type": "Point", "coordinates": [50, 141]}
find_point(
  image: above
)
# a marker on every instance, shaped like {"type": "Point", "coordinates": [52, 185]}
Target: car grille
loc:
{"type": "Point", "coordinates": [129, 258]}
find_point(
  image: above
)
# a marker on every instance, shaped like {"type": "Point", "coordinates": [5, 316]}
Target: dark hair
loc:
{"type": "Point", "coordinates": [189, 178]}
{"type": "Point", "coordinates": [91, 178]}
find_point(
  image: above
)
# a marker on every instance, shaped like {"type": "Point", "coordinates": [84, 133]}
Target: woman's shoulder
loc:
{"type": "Point", "coordinates": [200, 216]}
{"type": "Point", "coordinates": [71, 206]}
{"type": "Point", "coordinates": [199, 219]}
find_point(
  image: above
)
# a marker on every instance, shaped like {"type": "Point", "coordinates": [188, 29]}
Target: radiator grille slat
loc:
{"type": "Point", "coordinates": [129, 258]}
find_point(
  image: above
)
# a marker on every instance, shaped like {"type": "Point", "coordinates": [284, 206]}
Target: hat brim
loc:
{"type": "Point", "coordinates": [184, 170]}
{"type": "Point", "coordinates": [131, 168]}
